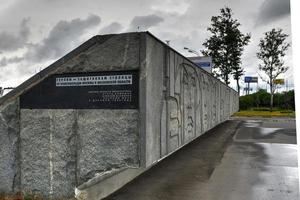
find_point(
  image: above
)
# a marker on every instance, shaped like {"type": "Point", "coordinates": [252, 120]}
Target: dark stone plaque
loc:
{"type": "Point", "coordinates": [97, 90]}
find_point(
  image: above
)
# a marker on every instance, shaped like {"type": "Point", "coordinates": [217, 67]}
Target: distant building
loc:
{"type": "Point", "coordinates": [205, 62]}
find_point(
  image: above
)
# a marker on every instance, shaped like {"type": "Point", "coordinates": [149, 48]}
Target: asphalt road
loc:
{"type": "Point", "coordinates": [241, 159]}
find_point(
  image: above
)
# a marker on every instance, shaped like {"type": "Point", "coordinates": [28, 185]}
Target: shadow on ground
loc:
{"type": "Point", "coordinates": [181, 175]}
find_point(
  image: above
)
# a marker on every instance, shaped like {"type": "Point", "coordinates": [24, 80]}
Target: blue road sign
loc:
{"type": "Point", "coordinates": [203, 64]}
{"type": "Point", "coordinates": [250, 79]}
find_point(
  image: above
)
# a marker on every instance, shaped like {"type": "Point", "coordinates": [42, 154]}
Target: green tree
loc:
{"type": "Point", "coordinates": [225, 46]}
{"type": "Point", "coordinates": [246, 102]}
{"type": "Point", "coordinates": [272, 50]}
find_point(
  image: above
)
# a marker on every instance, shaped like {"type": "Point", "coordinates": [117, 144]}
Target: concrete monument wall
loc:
{"type": "Point", "coordinates": [182, 101]}
{"type": "Point", "coordinates": [9, 147]}
{"type": "Point", "coordinates": [52, 151]}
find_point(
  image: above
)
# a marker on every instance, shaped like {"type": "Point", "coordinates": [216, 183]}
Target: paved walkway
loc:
{"type": "Point", "coordinates": [241, 159]}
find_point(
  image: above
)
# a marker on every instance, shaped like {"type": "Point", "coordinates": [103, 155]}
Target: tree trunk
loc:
{"type": "Point", "coordinates": [271, 103]}
{"type": "Point", "coordinates": [271, 91]}
{"type": "Point", "coordinates": [226, 79]}
{"type": "Point", "coordinates": [238, 86]}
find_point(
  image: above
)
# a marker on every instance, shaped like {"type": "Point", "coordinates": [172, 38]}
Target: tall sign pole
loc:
{"type": "Point", "coordinates": [248, 87]}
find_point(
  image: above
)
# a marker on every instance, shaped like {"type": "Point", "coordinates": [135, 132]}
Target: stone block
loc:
{"type": "Point", "coordinates": [9, 147]}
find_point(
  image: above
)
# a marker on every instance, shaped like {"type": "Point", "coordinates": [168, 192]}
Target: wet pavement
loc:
{"type": "Point", "coordinates": [241, 159]}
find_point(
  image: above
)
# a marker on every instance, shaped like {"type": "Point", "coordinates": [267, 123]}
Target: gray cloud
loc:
{"type": "Point", "coordinates": [114, 27]}
{"type": "Point", "coordinates": [64, 36]}
{"type": "Point", "coordinates": [5, 61]}
{"type": "Point", "coordinates": [144, 22]}
{"type": "Point", "coordinates": [272, 10]}
{"type": "Point", "coordinates": [12, 42]}
{"type": "Point", "coordinates": [184, 23]}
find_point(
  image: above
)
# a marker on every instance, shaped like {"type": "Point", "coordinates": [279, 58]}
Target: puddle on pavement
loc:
{"type": "Point", "coordinates": [255, 130]}
{"type": "Point", "coordinates": [268, 131]}
{"type": "Point", "coordinates": [252, 123]}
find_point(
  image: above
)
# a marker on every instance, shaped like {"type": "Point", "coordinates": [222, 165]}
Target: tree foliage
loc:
{"type": "Point", "coordinates": [226, 46]}
{"type": "Point", "coordinates": [284, 100]}
{"type": "Point", "coordinates": [272, 50]}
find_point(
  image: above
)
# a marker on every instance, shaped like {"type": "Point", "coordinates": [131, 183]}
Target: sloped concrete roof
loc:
{"type": "Point", "coordinates": [51, 69]}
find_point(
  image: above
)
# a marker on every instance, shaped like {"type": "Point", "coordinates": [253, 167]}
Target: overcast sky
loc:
{"type": "Point", "coordinates": [35, 33]}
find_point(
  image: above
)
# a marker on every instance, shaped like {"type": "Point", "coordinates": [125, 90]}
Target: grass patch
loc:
{"type": "Point", "coordinates": [10, 197]}
{"type": "Point", "coordinates": [262, 109]}
{"type": "Point", "coordinates": [264, 113]}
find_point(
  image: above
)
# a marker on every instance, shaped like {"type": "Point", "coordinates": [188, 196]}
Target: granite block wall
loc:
{"type": "Point", "coordinates": [9, 147]}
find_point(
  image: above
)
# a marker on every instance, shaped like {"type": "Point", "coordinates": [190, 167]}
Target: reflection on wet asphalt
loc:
{"type": "Point", "coordinates": [268, 130]}
{"type": "Point", "coordinates": [241, 159]}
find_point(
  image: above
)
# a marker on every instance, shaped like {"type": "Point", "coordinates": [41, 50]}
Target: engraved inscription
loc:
{"type": "Point", "coordinates": [94, 90]}
{"type": "Point", "coordinates": [94, 80]}
{"type": "Point", "coordinates": [111, 96]}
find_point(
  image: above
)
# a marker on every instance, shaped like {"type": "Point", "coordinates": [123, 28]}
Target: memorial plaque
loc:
{"type": "Point", "coordinates": [97, 90]}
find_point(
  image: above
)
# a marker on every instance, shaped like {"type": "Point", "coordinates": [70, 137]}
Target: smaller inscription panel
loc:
{"type": "Point", "coordinates": [96, 90]}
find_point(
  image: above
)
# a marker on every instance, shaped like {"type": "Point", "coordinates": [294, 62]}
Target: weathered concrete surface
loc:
{"type": "Point", "coordinates": [184, 173]}
{"type": "Point", "coordinates": [116, 53]}
{"type": "Point", "coordinates": [182, 101]}
{"type": "Point", "coordinates": [108, 140]}
{"type": "Point", "coordinates": [218, 165]}
{"type": "Point", "coordinates": [155, 55]}
{"type": "Point", "coordinates": [9, 147]}
{"type": "Point", "coordinates": [56, 156]}
{"type": "Point", "coordinates": [63, 149]}
{"type": "Point", "coordinates": [107, 185]}
{"type": "Point", "coordinates": [48, 152]}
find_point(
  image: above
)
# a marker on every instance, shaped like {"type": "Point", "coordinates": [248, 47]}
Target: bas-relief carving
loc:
{"type": "Point", "coordinates": [190, 98]}
{"type": "Point", "coordinates": [211, 102]}
{"type": "Point", "coordinates": [235, 102]}
{"type": "Point", "coordinates": [214, 98]}
{"type": "Point", "coordinates": [206, 103]}
{"type": "Point", "coordinates": [222, 103]}
{"type": "Point", "coordinates": [227, 102]}
{"type": "Point", "coordinates": [174, 124]}
{"type": "Point", "coordinates": [182, 103]}
{"type": "Point", "coordinates": [195, 102]}
{"type": "Point", "coordinates": [199, 125]}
